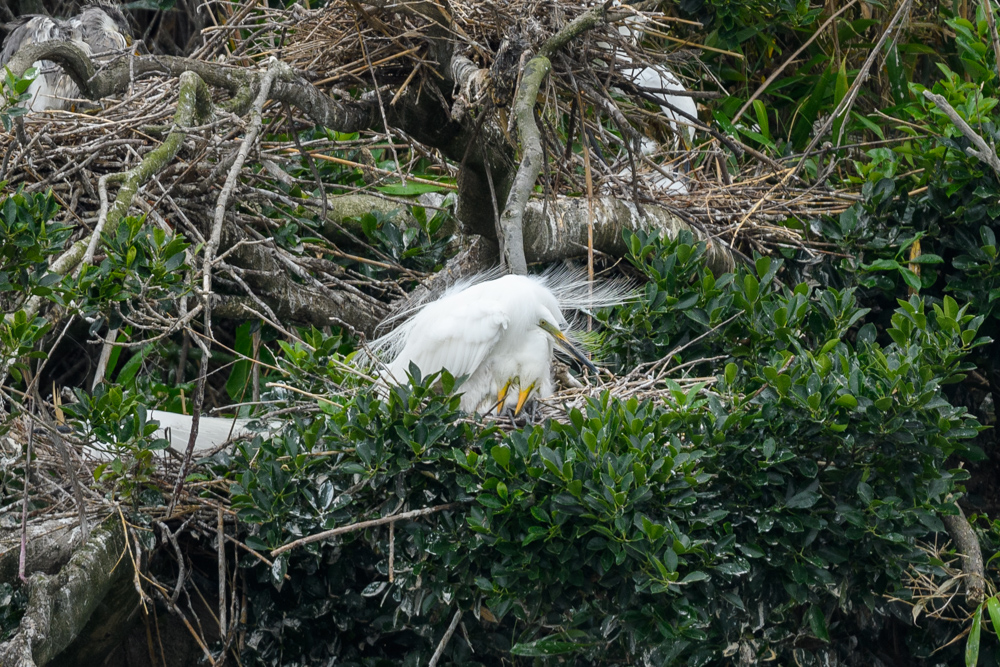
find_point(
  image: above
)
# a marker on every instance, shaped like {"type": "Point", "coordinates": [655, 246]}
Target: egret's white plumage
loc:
{"type": "Point", "coordinates": [100, 29]}
{"type": "Point", "coordinates": [500, 332]}
{"type": "Point", "coordinates": [212, 431]}
{"type": "Point", "coordinates": [659, 82]}
{"type": "Point", "coordinates": [667, 180]}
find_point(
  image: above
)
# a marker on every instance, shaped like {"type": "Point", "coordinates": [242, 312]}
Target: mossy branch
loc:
{"type": "Point", "coordinates": [512, 219]}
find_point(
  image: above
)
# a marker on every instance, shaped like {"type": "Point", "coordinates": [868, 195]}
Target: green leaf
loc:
{"type": "Point", "coordinates": [751, 288]}
{"type": "Point", "coordinates": [993, 606]}
{"type": "Point", "coordinates": [410, 189]}
{"type": "Point", "coordinates": [911, 279]}
{"type": "Point", "coordinates": [501, 454]}
{"type": "Point", "coordinates": [846, 401]}
{"type": "Point", "coordinates": [972, 644]}
{"type": "Point", "coordinates": [840, 91]}
{"type": "Point", "coordinates": [762, 123]}
{"type": "Point", "coordinates": [817, 623]}
{"type": "Point", "coordinates": [278, 570]}
{"type": "Point", "coordinates": [239, 376]}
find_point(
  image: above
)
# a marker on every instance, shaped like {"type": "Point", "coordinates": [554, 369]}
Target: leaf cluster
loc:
{"type": "Point", "coordinates": [775, 509]}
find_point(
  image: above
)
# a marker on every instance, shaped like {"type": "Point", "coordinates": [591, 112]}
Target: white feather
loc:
{"type": "Point", "coordinates": [659, 79]}
{"type": "Point", "coordinates": [212, 431]}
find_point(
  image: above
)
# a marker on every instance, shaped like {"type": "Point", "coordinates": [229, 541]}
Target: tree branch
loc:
{"type": "Point", "coordinates": [985, 153]}
{"type": "Point", "coordinates": [972, 556]}
{"type": "Point", "coordinates": [511, 221]}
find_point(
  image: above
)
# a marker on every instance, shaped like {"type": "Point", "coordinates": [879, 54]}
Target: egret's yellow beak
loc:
{"type": "Point", "coordinates": [522, 396]}
{"type": "Point", "coordinates": [566, 345]}
{"type": "Point", "coordinates": [502, 396]}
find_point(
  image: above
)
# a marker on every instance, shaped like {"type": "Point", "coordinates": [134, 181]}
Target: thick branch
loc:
{"type": "Point", "coordinates": [559, 231]}
{"type": "Point", "coordinates": [114, 78]}
{"type": "Point", "coordinates": [512, 220]}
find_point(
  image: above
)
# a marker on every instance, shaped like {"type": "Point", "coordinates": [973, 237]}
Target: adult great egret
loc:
{"type": "Point", "coordinates": [99, 29]}
{"type": "Point", "coordinates": [499, 332]}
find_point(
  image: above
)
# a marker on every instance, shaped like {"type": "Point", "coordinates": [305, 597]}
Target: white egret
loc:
{"type": "Point", "coordinates": [99, 29]}
{"type": "Point", "coordinates": [499, 332]}
{"type": "Point", "coordinates": [212, 431]}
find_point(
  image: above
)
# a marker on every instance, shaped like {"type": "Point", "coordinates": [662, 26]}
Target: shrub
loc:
{"type": "Point", "coordinates": [770, 512]}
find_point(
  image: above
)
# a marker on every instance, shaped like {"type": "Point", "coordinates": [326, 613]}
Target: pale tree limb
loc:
{"type": "Point", "coordinates": [535, 71]}
{"type": "Point", "coordinates": [60, 605]}
{"type": "Point", "coordinates": [512, 218]}
{"type": "Point", "coordinates": [982, 151]}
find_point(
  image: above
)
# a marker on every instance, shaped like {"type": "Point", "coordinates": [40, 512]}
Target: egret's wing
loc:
{"type": "Point", "coordinates": [212, 431]}
{"type": "Point", "coordinates": [455, 338]}
{"type": "Point", "coordinates": [659, 80]}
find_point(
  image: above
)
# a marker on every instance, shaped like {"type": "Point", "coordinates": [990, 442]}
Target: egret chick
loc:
{"type": "Point", "coordinates": [99, 29]}
{"type": "Point", "coordinates": [501, 333]}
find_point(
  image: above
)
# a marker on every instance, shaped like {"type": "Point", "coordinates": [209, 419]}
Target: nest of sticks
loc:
{"type": "Point", "coordinates": [736, 195]}
{"type": "Point", "coordinates": [348, 46]}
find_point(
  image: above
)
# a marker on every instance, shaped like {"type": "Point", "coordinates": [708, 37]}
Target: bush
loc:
{"type": "Point", "coordinates": [770, 512]}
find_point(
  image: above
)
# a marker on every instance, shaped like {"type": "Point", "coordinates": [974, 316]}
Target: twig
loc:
{"type": "Point", "coordinates": [102, 361]}
{"type": "Point", "coordinates": [444, 639]}
{"type": "Point", "coordinates": [22, 559]}
{"type": "Point", "coordinates": [319, 537]}
{"type": "Point", "coordinates": [392, 550]}
{"type": "Point", "coordinates": [57, 440]}
{"type": "Point", "coordinates": [220, 527]}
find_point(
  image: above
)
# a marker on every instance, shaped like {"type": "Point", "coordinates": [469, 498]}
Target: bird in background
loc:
{"type": "Point", "coordinates": [665, 88]}
{"type": "Point", "coordinates": [499, 332]}
{"type": "Point", "coordinates": [99, 30]}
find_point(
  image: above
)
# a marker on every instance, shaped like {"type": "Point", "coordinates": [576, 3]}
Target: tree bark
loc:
{"type": "Point", "coordinates": [59, 606]}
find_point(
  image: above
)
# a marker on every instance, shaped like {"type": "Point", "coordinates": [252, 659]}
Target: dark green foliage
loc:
{"type": "Point", "coordinates": [28, 237]}
{"type": "Point", "coordinates": [13, 94]}
{"type": "Point", "coordinates": [421, 248]}
{"type": "Point", "coordinates": [143, 264]}
{"type": "Point", "coordinates": [115, 421]}
{"type": "Point", "coordinates": [773, 510]}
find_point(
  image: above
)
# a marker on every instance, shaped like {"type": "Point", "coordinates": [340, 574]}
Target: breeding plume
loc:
{"type": "Point", "coordinates": [501, 333]}
{"type": "Point", "coordinates": [100, 30]}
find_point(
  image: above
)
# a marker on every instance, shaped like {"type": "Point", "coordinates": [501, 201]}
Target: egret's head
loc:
{"type": "Point", "coordinates": [565, 343]}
